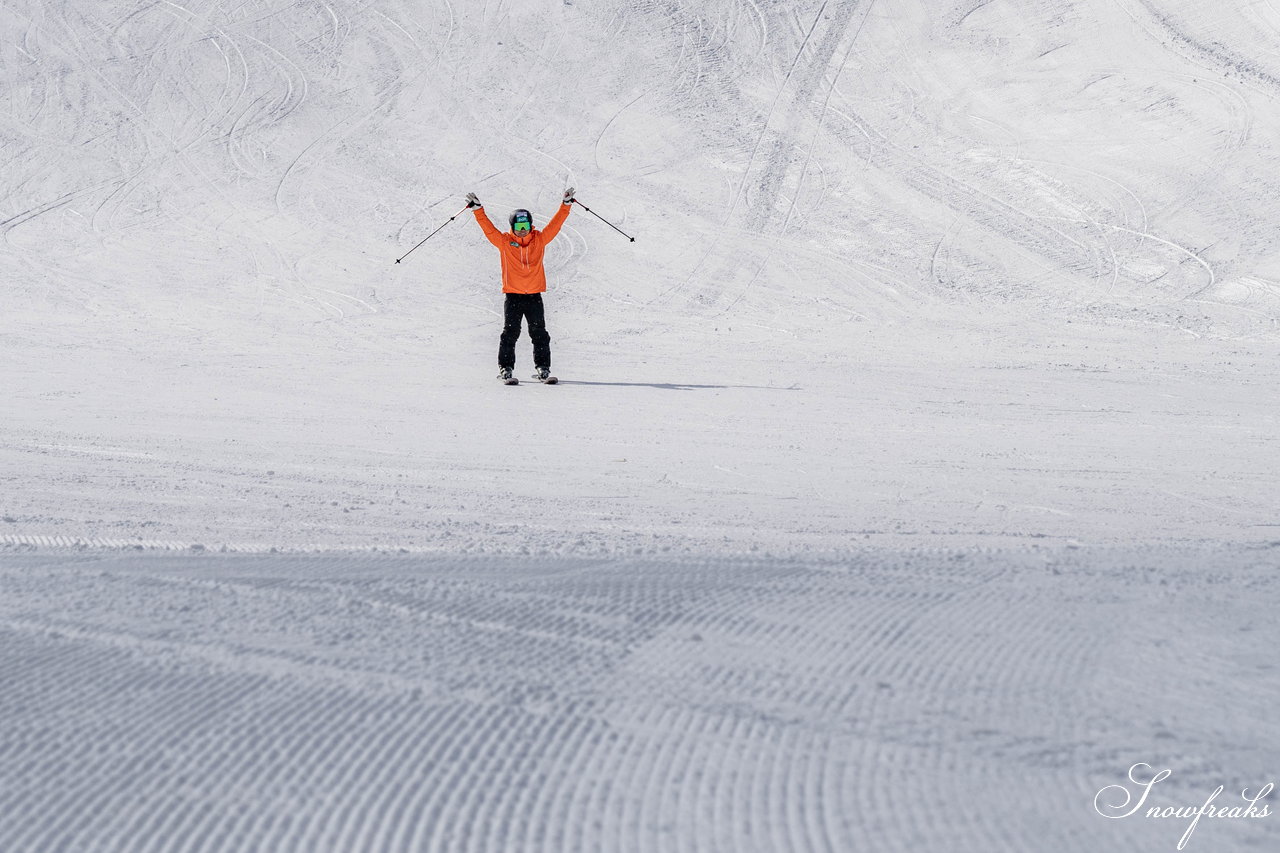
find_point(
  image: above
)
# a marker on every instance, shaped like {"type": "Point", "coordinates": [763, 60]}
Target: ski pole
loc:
{"type": "Point", "coordinates": [433, 233]}
{"type": "Point", "coordinates": [605, 221]}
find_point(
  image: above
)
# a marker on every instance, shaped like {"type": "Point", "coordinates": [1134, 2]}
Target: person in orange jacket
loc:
{"type": "Point", "coordinates": [523, 281]}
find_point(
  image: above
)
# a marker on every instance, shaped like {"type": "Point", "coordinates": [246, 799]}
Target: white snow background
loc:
{"type": "Point", "coordinates": [912, 475]}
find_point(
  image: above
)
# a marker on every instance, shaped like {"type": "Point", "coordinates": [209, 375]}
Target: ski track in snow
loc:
{"type": "Point", "coordinates": [348, 702]}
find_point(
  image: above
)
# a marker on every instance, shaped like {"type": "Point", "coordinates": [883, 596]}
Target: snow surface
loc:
{"type": "Point", "coordinates": [911, 476]}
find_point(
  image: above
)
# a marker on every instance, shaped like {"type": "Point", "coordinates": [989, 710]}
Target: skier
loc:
{"type": "Point", "coordinates": [523, 281]}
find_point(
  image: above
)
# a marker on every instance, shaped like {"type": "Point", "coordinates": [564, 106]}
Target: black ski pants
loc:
{"type": "Point", "coordinates": [527, 306]}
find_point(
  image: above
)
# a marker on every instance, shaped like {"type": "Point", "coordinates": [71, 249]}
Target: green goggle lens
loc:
{"type": "Point", "coordinates": [522, 225]}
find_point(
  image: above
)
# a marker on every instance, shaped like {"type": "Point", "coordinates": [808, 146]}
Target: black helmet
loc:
{"type": "Point", "coordinates": [521, 217]}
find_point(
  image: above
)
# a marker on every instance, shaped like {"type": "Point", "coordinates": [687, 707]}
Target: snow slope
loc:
{"type": "Point", "coordinates": [923, 294]}
{"type": "Point", "coordinates": [990, 272]}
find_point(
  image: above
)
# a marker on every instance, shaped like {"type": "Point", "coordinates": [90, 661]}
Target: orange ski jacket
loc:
{"type": "Point", "coordinates": [522, 270]}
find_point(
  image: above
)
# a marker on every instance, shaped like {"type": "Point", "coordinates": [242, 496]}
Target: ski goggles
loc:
{"type": "Point", "coordinates": [522, 225]}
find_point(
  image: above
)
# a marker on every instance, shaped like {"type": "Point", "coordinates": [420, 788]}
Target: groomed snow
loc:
{"type": "Point", "coordinates": [890, 701]}
{"type": "Point", "coordinates": [911, 476]}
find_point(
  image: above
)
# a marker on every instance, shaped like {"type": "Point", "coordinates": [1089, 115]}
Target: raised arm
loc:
{"type": "Point", "coordinates": [553, 227]}
{"type": "Point", "coordinates": [482, 219]}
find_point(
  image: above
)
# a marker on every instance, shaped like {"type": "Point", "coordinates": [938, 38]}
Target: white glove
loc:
{"type": "Point", "coordinates": [568, 196]}
{"type": "Point", "coordinates": [472, 201]}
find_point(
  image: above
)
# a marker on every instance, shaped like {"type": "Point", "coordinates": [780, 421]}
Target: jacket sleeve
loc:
{"type": "Point", "coordinates": [493, 234]}
{"type": "Point", "coordinates": [553, 227]}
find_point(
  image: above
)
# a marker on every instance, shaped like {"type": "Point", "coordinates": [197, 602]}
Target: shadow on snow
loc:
{"type": "Point", "coordinates": [677, 386]}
